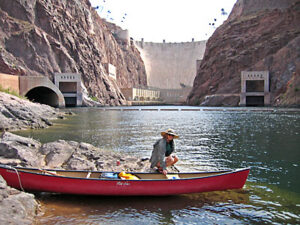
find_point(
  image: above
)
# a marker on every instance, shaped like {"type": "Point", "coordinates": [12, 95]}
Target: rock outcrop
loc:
{"type": "Point", "coordinates": [16, 150]}
{"type": "Point", "coordinates": [18, 114]}
{"type": "Point", "coordinates": [40, 38]}
{"type": "Point", "coordinates": [16, 207]}
{"type": "Point", "coordinates": [258, 35]}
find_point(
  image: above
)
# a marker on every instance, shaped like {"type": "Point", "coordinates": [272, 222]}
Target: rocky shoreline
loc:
{"type": "Point", "coordinates": [16, 150]}
{"type": "Point", "coordinates": [15, 114]}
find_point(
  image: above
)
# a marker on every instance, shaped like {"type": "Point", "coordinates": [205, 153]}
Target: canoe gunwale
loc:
{"type": "Point", "coordinates": [40, 173]}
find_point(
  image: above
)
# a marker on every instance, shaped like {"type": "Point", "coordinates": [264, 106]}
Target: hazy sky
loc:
{"type": "Point", "coordinates": [172, 20]}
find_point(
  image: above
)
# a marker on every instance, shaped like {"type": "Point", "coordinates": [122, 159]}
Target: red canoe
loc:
{"type": "Point", "coordinates": [106, 183]}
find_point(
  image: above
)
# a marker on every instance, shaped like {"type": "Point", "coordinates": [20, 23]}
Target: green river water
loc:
{"type": "Point", "coordinates": [266, 140]}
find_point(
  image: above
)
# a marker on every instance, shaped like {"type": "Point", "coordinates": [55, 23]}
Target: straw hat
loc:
{"type": "Point", "coordinates": [170, 132]}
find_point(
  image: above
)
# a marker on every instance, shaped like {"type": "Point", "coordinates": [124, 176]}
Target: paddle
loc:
{"type": "Point", "coordinates": [48, 172]}
{"type": "Point", "coordinates": [175, 168]}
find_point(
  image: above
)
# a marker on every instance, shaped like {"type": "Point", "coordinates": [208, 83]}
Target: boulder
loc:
{"type": "Point", "coordinates": [16, 207]}
{"type": "Point", "coordinates": [79, 163]}
{"type": "Point", "coordinates": [24, 149]}
{"type": "Point", "coordinates": [57, 153]}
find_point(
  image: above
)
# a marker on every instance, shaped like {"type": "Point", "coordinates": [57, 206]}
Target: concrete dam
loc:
{"type": "Point", "coordinates": [168, 65]}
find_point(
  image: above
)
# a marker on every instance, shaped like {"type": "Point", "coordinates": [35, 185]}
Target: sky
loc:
{"type": "Point", "coordinates": [169, 20]}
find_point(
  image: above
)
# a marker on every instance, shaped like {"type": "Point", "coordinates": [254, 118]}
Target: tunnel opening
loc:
{"type": "Point", "coordinates": [71, 101]}
{"type": "Point", "coordinates": [43, 95]}
{"type": "Point", "coordinates": [255, 101]}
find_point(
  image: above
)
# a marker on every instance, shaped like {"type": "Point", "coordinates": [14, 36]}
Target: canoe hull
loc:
{"type": "Point", "coordinates": [82, 186]}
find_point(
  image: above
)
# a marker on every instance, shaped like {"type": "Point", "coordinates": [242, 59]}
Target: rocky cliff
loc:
{"type": "Point", "coordinates": [42, 37]}
{"type": "Point", "coordinates": [258, 35]}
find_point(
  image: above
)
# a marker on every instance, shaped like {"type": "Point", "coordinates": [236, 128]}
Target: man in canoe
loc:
{"type": "Point", "coordinates": [162, 156]}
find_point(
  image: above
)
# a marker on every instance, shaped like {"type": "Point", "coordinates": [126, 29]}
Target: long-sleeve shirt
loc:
{"type": "Point", "coordinates": [159, 153]}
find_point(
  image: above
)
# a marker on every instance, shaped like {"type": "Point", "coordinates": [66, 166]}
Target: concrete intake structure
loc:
{"type": "Point", "coordinates": [255, 90]}
{"type": "Point", "coordinates": [70, 86]}
{"type": "Point", "coordinates": [168, 65]}
{"type": "Point", "coordinates": [36, 89]}
{"type": "Point", "coordinates": [66, 91]}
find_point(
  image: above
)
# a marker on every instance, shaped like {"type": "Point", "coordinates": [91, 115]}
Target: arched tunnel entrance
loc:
{"type": "Point", "coordinates": [43, 95]}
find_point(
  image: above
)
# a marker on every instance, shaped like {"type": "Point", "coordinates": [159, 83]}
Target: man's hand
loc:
{"type": "Point", "coordinates": [164, 172]}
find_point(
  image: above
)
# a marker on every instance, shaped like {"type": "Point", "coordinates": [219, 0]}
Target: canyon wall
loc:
{"type": "Point", "coordinates": [170, 64]}
{"type": "Point", "coordinates": [257, 36]}
{"type": "Point", "coordinates": [43, 37]}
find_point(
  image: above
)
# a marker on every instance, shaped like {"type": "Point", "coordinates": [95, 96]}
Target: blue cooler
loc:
{"type": "Point", "coordinates": [109, 175]}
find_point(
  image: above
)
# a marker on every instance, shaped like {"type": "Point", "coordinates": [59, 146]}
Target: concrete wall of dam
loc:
{"type": "Point", "coordinates": [170, 64]}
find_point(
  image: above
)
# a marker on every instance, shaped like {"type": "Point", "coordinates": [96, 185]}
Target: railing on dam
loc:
{"type": "Point", "coordinates": [199, 109]}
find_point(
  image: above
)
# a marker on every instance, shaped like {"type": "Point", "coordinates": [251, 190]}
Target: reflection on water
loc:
{"type": "Point", "coordinates": [267, 141]}
{"type": "Point", "coordinates": [138, 210]}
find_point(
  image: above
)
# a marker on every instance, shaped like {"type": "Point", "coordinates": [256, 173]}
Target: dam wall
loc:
{"type": "Point", "coordinates": [170, 64]}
